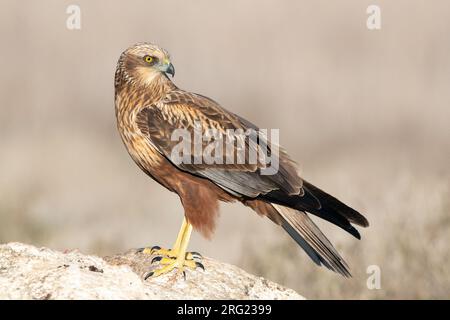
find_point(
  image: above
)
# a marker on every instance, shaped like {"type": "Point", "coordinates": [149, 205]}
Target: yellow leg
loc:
{"type": "Point", "coordinates": [185, 239]}
{"type": "Point", "coordinates": [177, 258]}
{"type": "Point", "coordinates": [176, 246]}
{"type": "Point", "coordinates": [181, 234]}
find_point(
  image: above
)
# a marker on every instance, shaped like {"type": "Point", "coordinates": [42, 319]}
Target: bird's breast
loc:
{"type": "Point", "coordinates": [137, 144]}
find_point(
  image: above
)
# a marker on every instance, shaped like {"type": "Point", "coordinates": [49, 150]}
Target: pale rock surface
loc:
{"type": "Point", "coordinates": [27, 272]}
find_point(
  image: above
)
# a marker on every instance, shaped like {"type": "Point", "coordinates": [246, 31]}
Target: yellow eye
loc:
{"type": "Point", "coordinates": [148, 59]}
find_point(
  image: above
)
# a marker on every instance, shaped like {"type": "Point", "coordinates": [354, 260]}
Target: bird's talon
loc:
{"type": "Point", "coordinates": [166, 256]}
{"type": "Point", "coordinates": [194, 256]}
{"type": "Point", "coordinates": [154, 249]}
{"type": "Point", "coordinates": [200, 265]}
{"type": "Point", "coordinates": [156, 259]}
{"type": "Point", "coordinates": [158, 251]}
{"type": "Point", "coordinates": [167, 264]}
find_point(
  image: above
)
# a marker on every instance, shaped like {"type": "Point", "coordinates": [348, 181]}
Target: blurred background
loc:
{"type": "Point", "coordinates": [365, 112]}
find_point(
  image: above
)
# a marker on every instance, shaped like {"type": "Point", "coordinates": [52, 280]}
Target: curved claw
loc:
{"type": "Point", "coordinates": [154, 248]}
{"type": "Point", "coordinates": [146, 250]}
{"type": "Point", "coordinates": [156, 259]}
{"type": "Point", "coordinates": [195, 253]}
{"type": "Point", "coordinates": [194, 256]}
{"type": "Point", "coordinates": [200, 265]}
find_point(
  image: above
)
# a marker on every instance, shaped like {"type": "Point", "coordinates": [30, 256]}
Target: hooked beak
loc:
{"type": "Point", "coordinates": [169, 69]}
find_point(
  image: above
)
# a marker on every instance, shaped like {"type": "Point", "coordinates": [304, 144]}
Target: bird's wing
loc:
{"type": "Point", "coordinates": [183, 110]}
{"type": "Point", "coordinates": [197, 114]}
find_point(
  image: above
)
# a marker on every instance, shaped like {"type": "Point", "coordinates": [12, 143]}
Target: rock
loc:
{"type": "Point", "coordinates": [27, 272]}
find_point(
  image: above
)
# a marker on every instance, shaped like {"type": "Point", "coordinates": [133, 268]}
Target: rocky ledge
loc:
{"type": "Point", "coordinates": [28, 272]}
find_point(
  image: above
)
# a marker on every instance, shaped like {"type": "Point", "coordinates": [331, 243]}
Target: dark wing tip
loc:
{"type": "Point", "coordinates": [363, 222]}
{"type": "Point", "coordinates": [354, 232]}
{"type": "Point", "coordinates": [334, 209]}
{"type": "Point", "coordinates": [352, 215]}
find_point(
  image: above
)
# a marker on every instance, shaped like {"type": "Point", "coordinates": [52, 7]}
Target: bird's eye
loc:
{"type": "Point", "coordinates": [149, 59]}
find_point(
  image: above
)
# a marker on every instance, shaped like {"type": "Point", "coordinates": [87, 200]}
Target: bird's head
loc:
{"type": "Point", "coordinates": [143, 62]}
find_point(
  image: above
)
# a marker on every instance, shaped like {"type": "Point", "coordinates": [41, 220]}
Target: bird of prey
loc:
{"type": "Point", "coordinates": [149, 107]}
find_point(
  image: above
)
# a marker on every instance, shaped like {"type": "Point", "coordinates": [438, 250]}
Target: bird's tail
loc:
{"type": "Point", "coordinates": [321, 204]}
{"type": "Point", "coordinates": [303, 230]}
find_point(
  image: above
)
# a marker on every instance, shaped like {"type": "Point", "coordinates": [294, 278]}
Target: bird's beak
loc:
{"type": "Point", "coordinates": [169, 69]}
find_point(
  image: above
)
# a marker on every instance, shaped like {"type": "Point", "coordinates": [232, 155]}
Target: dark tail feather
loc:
{"type": "Point", "coordinates": [321, 204]}
{"type": "Point", "coordinates": [303, 230]}
{"type": "Point", "coordinates": [329, 202]}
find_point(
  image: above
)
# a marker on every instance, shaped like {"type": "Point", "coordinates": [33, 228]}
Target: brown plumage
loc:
{"type": "Point", "coordinates": [149, 107]}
